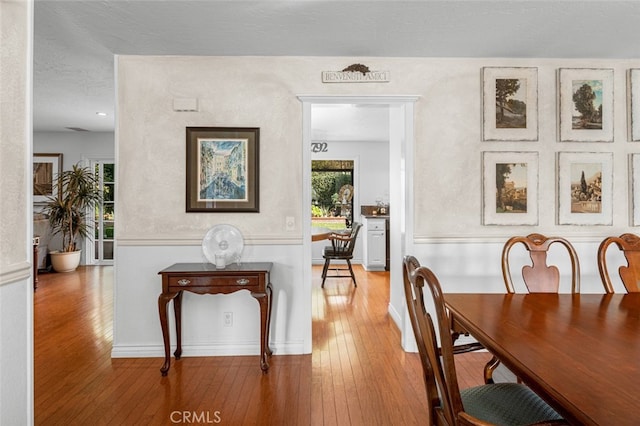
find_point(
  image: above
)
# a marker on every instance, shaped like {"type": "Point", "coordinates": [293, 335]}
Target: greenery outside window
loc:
{"type": "Point", "coordinates": [332, 193]}
{"type": "Point", "coordinates": [104, 216]}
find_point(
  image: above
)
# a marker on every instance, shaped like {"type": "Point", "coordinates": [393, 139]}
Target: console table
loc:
{"type": "Point", "coordinates": [204, 278]}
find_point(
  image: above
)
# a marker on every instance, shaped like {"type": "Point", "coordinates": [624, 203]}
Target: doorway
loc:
{"type": "Point", "coordinates": [400, 109]}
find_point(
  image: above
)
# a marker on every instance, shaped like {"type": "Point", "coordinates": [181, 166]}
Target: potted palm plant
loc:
{"type": "Point", "coordinates": [76, 192]}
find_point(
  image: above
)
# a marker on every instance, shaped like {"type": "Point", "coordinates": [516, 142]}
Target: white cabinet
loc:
{"type": "Point", "coordinates": [375, 252]}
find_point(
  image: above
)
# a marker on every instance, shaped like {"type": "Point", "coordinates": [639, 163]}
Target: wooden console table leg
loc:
{"type": "Point", "coordinates": [266, 342]}
{"type": "Point", "coordinates": [177, 310]}
{"type": "Point", "coordinates": [263, 300]}
{"type": "Point", "coordinates": [163, 300]}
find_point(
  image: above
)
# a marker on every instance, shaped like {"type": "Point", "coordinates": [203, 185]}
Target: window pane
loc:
{"type": "Point", "coordinates": [108, 192]}
{"type": "Point", "coordinates": [332, 191]}
{"type": "Point", "coordinates": [108, 230]}
{"type": "Point", "coordinates": [109, 175]}
{"type": "Point", "coordinates": [108, 212]}
{"type": "Point", "coordinates": [108, 250]}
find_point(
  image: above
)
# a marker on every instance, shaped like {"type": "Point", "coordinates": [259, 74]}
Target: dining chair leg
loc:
{"type": "Point", "coordinates": [489, 368]}
{"type": "Point", "coordinates": [325, 268]}
{"type": "Point", "coordinates": [353, 276]}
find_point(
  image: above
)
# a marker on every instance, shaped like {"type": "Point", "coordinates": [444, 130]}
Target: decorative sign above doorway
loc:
{"type": "Point", "coordinates": [356, 73]}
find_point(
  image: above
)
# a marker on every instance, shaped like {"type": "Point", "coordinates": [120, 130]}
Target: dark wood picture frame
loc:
{"type": "Point", "coordinates": [223, 173]}
{"type": "Point", "coordinates": [46, 168]}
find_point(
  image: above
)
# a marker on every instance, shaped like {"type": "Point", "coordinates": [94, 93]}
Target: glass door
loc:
{"type": "Point", "coordinates": [104, 217]}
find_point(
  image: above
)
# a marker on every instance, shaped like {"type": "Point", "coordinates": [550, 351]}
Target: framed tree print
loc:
{"type": "Point", "coordinates": [509, 104]}
{"type": "Point", "coordinates": [223, 169]}
{"type": "Point", "coordinates": [585, 188]}
{"type": "Point", "coordinates": [510, 188]}
{"type": "Point", "coordinates": [586, 105]}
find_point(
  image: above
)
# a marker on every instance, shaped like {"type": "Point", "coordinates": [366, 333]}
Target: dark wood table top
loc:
{"type": "Point", "coordinates": [581, 353]}
{"type": "Point", "coordinates": [210, 267]}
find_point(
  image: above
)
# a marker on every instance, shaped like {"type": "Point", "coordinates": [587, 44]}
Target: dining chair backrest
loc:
{"type": "Point", "coordinates": [540, 277]}
{"type": "Point", "coordinates": [629, 244]}
{"type": "Point", "coordinates": [410, 265]}
{"type": "Point", "coordinates": [344, 244]}
{"type": "Point", "coordinates": [443, 394]}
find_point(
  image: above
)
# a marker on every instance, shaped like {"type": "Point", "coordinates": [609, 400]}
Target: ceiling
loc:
{"type": "Point", "coordinates": [75, 41]}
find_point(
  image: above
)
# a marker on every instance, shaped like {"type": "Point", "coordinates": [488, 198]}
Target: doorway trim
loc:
{"type": "Point", "coordinates": [401, 143]}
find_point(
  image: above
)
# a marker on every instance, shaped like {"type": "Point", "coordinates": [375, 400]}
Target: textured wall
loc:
{"type": "Point", "coordinates": [247, 91]}
{"type": "Point", "coordinates": [16, 285]}
{"type": "Point", "coordinates": [15, 123]}
{"type": "Point", "coordinates": [262, 92]}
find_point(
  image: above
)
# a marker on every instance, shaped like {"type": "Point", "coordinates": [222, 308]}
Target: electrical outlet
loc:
{"type": "Point", "coordinates": [228, 319]}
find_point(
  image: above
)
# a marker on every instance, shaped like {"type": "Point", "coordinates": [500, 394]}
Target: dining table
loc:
{"type": "Point", "coordinates": [579, 352]}
{"type": "Point", "coordinates": [319, 233]}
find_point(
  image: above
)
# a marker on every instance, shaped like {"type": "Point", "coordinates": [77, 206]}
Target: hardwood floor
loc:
{"type": "Point", "coordinates": [357, 374]}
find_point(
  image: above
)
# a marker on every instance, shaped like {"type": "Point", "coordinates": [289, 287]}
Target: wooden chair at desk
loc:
{"type": "Point", "coordinates": [629, 244]}
{"type": "Point", "coordinates": [341, 248]}
{"type": "Point", "coordinates": [502, 403]}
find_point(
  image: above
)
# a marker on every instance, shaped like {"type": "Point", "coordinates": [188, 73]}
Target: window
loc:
{"type": "Point", "coordinates": [104, 213]}
{"type": "Point", "coordinates": [332, 193]}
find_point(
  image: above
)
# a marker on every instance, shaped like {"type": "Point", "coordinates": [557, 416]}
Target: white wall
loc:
{"type": "Point", "coordinates": [261, 92]}
{"type": "Point", "coordinates": [75, 146]}
{"type": "Point", "coordinates": [16, 285]}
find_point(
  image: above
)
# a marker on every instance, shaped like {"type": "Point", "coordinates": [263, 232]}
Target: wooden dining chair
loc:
{"type": "Point", "coordinates": [410, 266]}
{"type": "Point", "coordinates": [502, 403]}
{"type": "Point", "coordinates": [341, 248]}
{"type": "Point", "coordinates": [629, 244]}
{"type": "Point", "coordinates": [540, 277]}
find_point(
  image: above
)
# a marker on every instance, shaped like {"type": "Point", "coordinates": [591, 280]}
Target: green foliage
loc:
{"type": "Point", "coordinates": [326, 185]}
{"type": "Point", "coordinates": [76, 191]}
{"type": "Point", "coordinates": [323, 187]}
{"type": "Point", "coordinates": [316, 211]}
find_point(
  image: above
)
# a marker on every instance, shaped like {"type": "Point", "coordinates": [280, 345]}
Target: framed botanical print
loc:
{"type": "Point", "coordinates": [585, 188]}
{"type": "Point", "coordinates": [586, 105]}
{"type": "Point", "coordinates": [46, 167]}
{"type": "Point", "coordinates": [223, 169]}
{"type": "Point", "coordinates": [509, 104]}
{"type": "Point", "coordinates": [510, 188]}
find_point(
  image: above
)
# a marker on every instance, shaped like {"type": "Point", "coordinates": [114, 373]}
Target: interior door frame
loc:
{"type": "Point", "coordinates": [401, 145]}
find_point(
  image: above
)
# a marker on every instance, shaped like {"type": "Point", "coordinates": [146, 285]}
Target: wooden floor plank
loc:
{"type": "Point", "coordinates": [357, 373]}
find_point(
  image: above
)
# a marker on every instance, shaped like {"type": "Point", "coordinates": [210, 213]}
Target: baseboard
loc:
{"type": "Point", "coordinates": [239, 349]}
